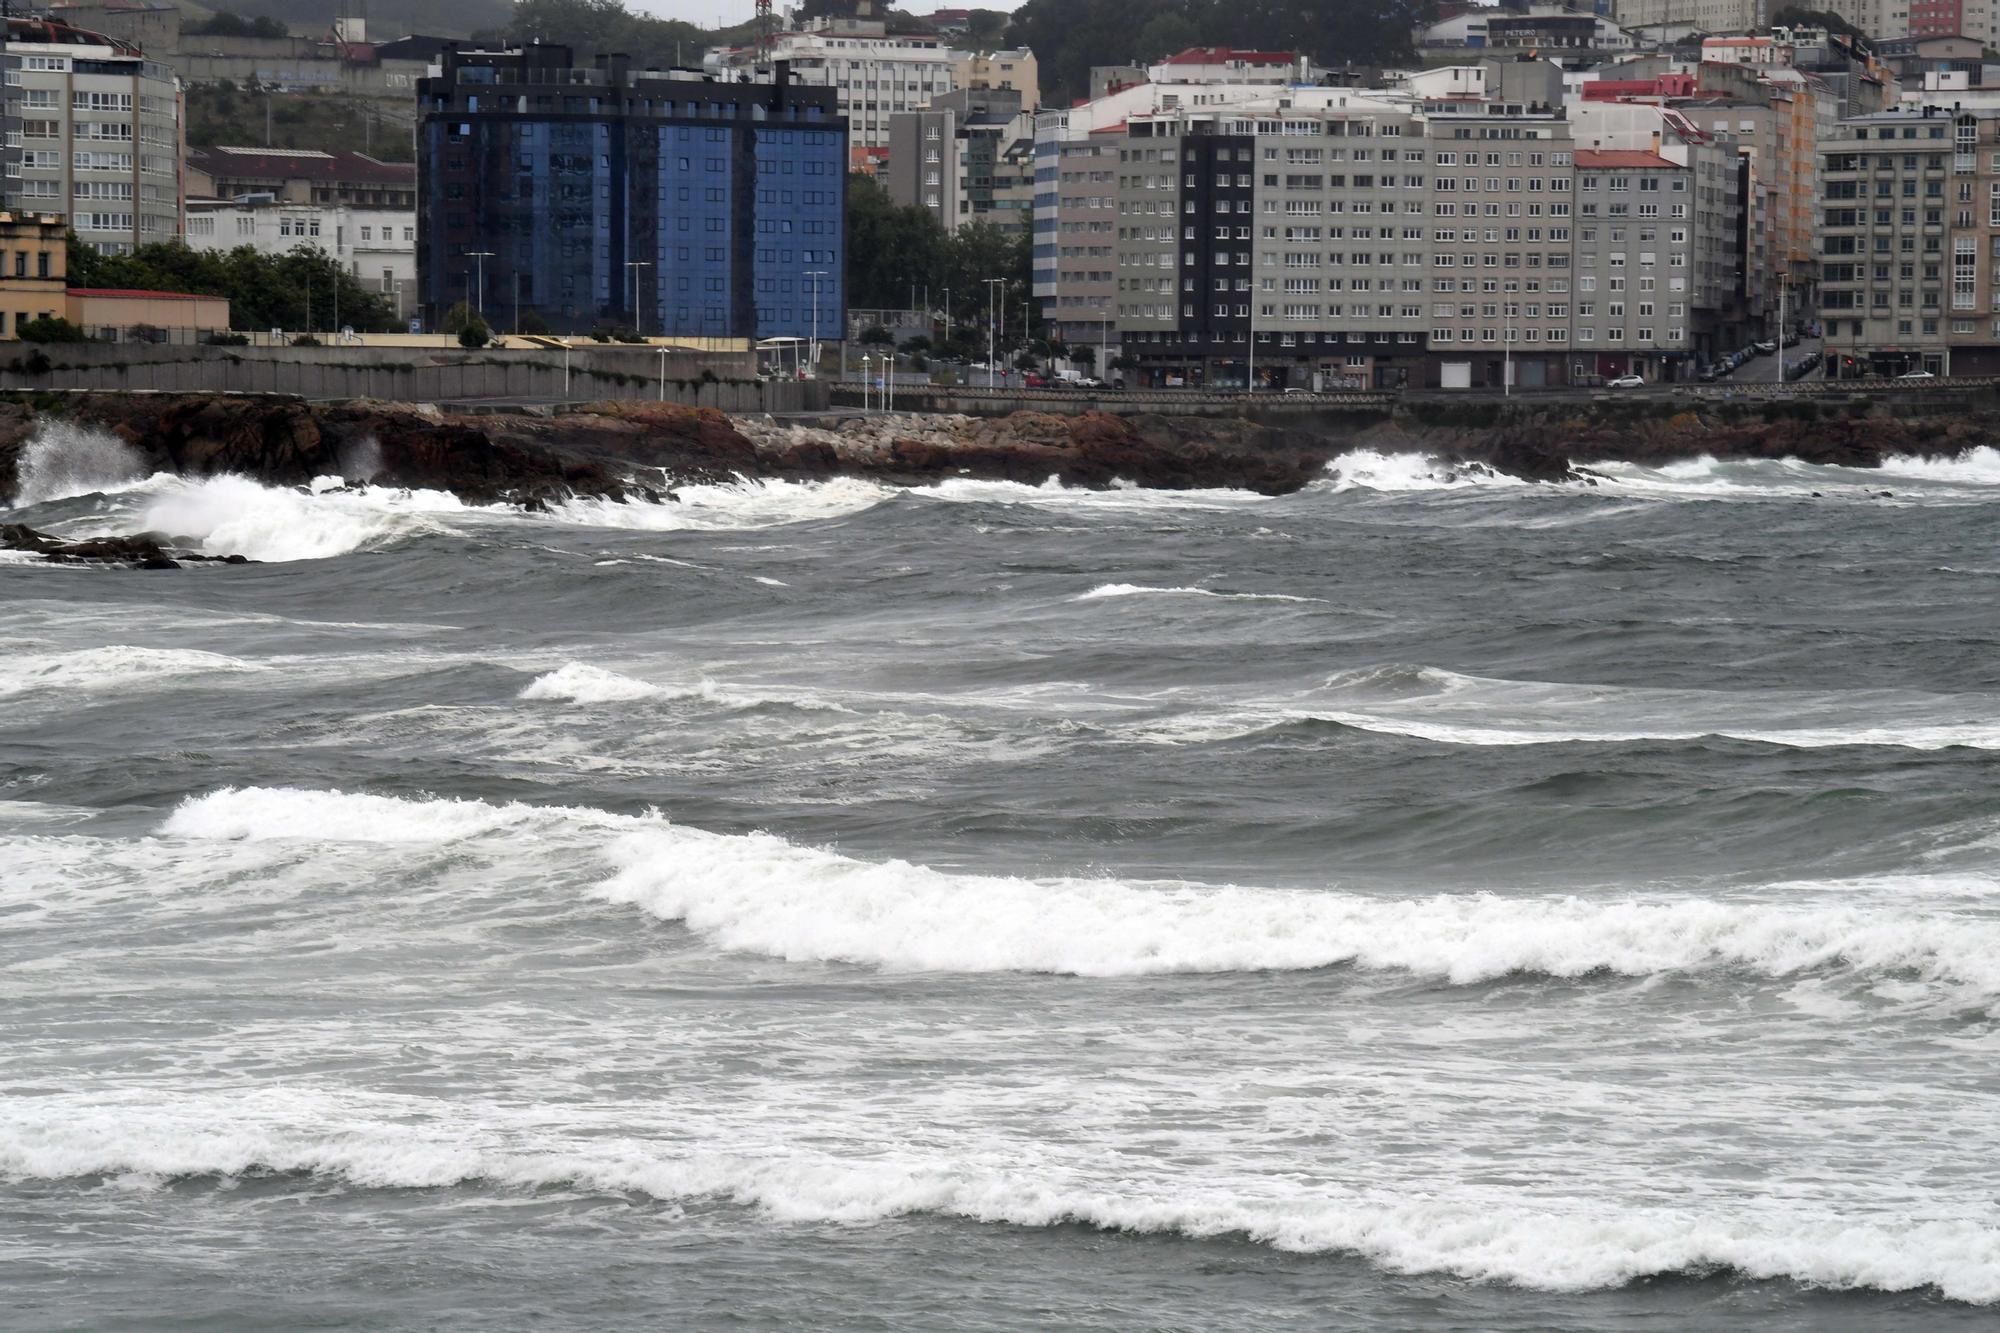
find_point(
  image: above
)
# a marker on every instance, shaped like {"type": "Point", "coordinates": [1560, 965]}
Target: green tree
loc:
{"type": "Point", "coordinates": [889, 247]}
{"type": "Point", "coordinates": [608, 26]}
{"type": "Point", "coordinates": [295, 290]}
{"type": "Point", "coordinates": [1166, 33]}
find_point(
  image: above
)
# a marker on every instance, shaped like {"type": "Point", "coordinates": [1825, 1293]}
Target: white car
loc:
{"type": "Point", "coordinates": [1917, 375]}
{"type": "Point", "coordinates": [1629, 382]}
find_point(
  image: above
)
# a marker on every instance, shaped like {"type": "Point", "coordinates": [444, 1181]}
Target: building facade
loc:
{"type": "Point", "coordinates": [872, 75]}
{"type": "Point", "coordinates": [93, 132]}
{"type": "Point", "coordinates": [376, 246]}
{"type": "Point", "coordinates": [1908, 266]}
{"type": "Point", "coordinates": [34, 264]}
{"type": "Point", "coordinates": [663, 201]}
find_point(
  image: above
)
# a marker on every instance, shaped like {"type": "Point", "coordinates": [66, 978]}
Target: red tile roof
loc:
{"type": "Point", "coordinates": [1217, 55]}
{"type": "Point", "coordinates": [1622, 157]}
{"type": "Point", "coordinates": [150, 296]}
{"type": "Point", "coordinates": [344, 167]}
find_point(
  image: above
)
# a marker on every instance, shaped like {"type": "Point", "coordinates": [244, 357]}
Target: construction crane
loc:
{"type": "Point", "coordinates": [767, 25]}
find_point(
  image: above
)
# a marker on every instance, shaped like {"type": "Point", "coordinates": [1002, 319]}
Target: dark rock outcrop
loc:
{"type": "Point", "coordinates": [643, 450]}
{"type": "Point", "coordinates": [139, 552]}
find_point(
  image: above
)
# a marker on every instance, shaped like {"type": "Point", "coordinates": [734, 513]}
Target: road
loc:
{"type": "Point", "coordinates": [1764, 369]}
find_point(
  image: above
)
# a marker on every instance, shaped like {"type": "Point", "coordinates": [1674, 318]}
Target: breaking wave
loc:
{"type": "Point", "coordinates": [735, 506]}
{"type": "Point", "coordinates": [114, 666]}
{"type": "Point", "coordinates": [236, 516]}
{"type": "Point", "coordinates": [581, 683]}
{"type": "Point", "coordinates": [62, 459]}
{"type": "Point", "coordinates": [760, 894]}
{"type": "Point", "coordinates": [1104, 590]}
{"type": "Point", "coordinates": [1373, 470]}
{"type": "Point", "coordinates": [1559, 1245]}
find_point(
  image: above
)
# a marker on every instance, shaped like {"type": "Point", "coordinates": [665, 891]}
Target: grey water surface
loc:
{"type": "Point", "coordinates": [1423, 902]}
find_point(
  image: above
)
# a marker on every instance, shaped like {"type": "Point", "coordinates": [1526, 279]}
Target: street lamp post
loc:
{"type": "Point", "coordinates": [638, 319]}
{"type": "Point", "coordinates": [991, 283]}
{"type": "Point", "coordinates": [479, 303]}
{"type": "Point", "coordinates": [813, 342]}
{"type": "Point", "coordinates": [663, 374]}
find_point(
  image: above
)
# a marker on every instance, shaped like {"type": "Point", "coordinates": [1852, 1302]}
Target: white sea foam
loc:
{"type": "Point", "coordinates": [1979, 467]}
{"type": "Point", "coordinates": [236, 516]}
{"type": "Point", "coordinates": [115, 666]}
{"type": "Point", "coordinates": [736, 506]}
{"type": "Point", "coordinates": [268, 814]}
{"type": "Point", "coordinates": [579, 682]}
{"type": "Point", "coordinates": [62, 459]}
{"type": "Point", "coordinates": [1455, 709]}
{"type": "Point", "coordinates": [1118, 498]}
{"type": "Point", "coordinates": [1104, 590]}
{"type": "Point", "coordinates": [760, 894]}
{"type": "Point", "coordinates": [1553, 1245]}
{"type": "Point", "coordinates": [1373, 470]}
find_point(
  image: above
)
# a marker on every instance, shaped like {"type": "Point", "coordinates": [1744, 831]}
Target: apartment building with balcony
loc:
{"type": "Point", "coordinates": [1908, 242]}
{"type": "Point", "coordinates": [93, 132]}
{"type": "Point", "coordinates": [874, 76]}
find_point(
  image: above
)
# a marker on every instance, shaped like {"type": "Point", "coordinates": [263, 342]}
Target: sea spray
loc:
{"type": "Point", "coordinates": [62, 459]}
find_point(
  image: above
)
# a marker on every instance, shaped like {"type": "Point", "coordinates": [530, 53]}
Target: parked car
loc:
{"type": "Point", "coordinates": [1706, 374]}
{"type": "Point", "coordinates": [1916, 375]}
{"type": "Point", "coordinates": [1628, 382]}
{"type": "Point", "coordinates": [1034, 381]}
{"type": "Point", "coordinates": [1765, 347]}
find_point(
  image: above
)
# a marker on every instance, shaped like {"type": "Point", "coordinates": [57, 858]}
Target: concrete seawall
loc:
{"type": "Point", "coordinates": [330, 374]}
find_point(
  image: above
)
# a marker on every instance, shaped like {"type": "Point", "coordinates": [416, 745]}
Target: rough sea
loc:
{"type": "Point", "coordinates": [1421, 902]}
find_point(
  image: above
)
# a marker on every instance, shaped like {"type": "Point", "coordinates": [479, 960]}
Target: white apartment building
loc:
{"type": "Point", "coordinates": [376, 246]}
{"type": "Point", "coordinates": [93, 132]}
{"type": "Point", "coordinates": [874, 76]}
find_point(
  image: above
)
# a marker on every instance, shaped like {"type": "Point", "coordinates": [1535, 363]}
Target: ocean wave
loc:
{"type": "Point", "coordinates": [1451, 708]}
{"type": "Point", "coordinates": [1560, 1245]}
{"type": "Point", "coordinates": [735, 506]}
{"type": "Point", "coordinates": [1104, 590]}
{"type": "Point", "coordinates": [1373, 470]}
{"type": "Point", "coordinates": [1117, 498]}
{"type": "Point", "coordinates": [62, 460]}
{"type": "Point", "coordinates": [232, 515]}
{"type": "Point", "coordinates": [759, 894]}
{"type": "Point", "coordinates": [111, 667]}
{"type": "Point", "coordinates": [579, 682]}
{"type": "Point", "coordinates": [1979, 466]}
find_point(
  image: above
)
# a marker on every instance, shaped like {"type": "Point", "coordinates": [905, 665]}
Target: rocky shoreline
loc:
{"type": "Point", "coordinates": [642, 451]}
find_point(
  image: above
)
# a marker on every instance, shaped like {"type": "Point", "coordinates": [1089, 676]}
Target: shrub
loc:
{"type": "Point", "coordinates": [50, 330]}
{"type": "Point", "coordinates": [228, 339]}
{"type": "Point", "coordinates": [305, 340]}
{"type": "Point", "coordinates": [474, 334]}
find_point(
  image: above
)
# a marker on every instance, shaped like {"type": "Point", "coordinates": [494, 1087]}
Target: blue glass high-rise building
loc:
{"type": "Point", "coordinates": [600, 196]}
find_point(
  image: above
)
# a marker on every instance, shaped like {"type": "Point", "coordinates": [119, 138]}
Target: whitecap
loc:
{"type": "Point", "coordinates": [1104, 590]}
{"type": "Point", "coordinates": [114, 666]}
{"type": "Point", "coordinates": [1373, 470]}
{"type": "Point", "coordinates": [62, 459]}
{"type": "Point", "coordinates": [730, 507]}
{"type": "Point", "coordinates": [232, 515]}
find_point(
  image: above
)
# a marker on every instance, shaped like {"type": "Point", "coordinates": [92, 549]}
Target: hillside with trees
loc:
{"type": "Point", "coordinates": [1070, 36]}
